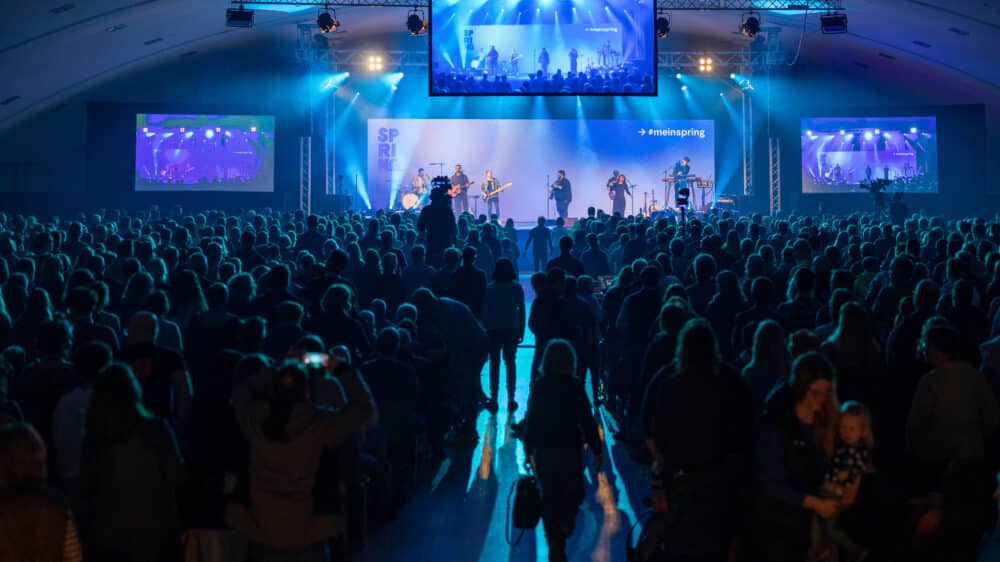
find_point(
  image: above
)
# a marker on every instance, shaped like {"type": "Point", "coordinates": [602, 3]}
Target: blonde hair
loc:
{"type": "Point", "coordinates": [860, 411]}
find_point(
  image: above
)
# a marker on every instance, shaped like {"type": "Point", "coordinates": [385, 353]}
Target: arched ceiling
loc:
{"type": "Point", "coordinates": [53, 49]}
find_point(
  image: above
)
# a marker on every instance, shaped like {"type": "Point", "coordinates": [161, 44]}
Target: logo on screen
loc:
{"type": "Point", "coordinates": [386, 148]}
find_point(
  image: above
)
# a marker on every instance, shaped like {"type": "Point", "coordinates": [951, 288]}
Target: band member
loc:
{"type": "Point", "coordinates": [490, 185]}
{"type": "Point", "coordinates": [543, 61]}
{"type": "Point", "coordinates": [605, 54]}
{"type": "Point", "coordinates": [492, 61]}
{"type": "Point", "coordinates": [868, 173]}
{"type": "Point", "coordinates": [617, 190]}
{"type": "Point", "coordinates": [514, 57]}
{"type": "Point", "coordinates": [460, 190]}
{"type": "Point", "coordinates": [573, 55]}
{"type": "Point", "coordinates": [562, 194]}
{"type": "Point", "coordinates": [681, 171]}
{"type": "Point", "coordinates": [838, 174]}
{"type": "Point", "coordinates": [419, 185]}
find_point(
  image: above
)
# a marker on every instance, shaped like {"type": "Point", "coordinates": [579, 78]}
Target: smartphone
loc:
{"type": "Point", "coordinates": [316, 360]}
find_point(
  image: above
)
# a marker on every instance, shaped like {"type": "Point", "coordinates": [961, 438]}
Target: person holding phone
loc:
{"type": "Point", "coordinates": [287, 434]}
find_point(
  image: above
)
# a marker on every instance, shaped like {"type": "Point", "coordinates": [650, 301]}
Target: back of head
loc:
{"type": "Point", "coordinates": [769, 346]}
{"type": "Point", "coordinates": [469, 255]}
{"type": "Point", "coordinates": [81, 301]}
{"type": "Point", "coordinates": [115, 408]}
{"type": "Point", "coordinates": [926, 295]}
{"type": "Point", "coordinates": [807, 369]}
{"type": "Point", "coordinates": [697, 349]}
{"type": "Point", "coordinates": [565, 244]}
{"type": "Point", "coordinates": [217, 296]}
{"type": "Point", "coordinates": [387, 342]}
{"type": "Point", "coordinates": [336, 299]}
{"type": "Point", "coordinates": [503, 270]}
{"type": "Point", "coordinates": [761, 291]}
{"type": "Point", "coordinates": [650, 276]}
{"type": "Point", "coordinates": [559, 359]}
{"type": "Point", "coordinates": [142, 328]}
{"type": "Point", "coordinates": [704, 267]}
{"type": "Point", "coordinates": [54, 338]}
{"type": "Point", "coordinates": [89, 360]}
{"type": "Point", "coordinates": [941, 339]}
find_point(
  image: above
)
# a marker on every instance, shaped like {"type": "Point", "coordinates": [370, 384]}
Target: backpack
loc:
{"type": "Point", "coordinates": [527, 506]}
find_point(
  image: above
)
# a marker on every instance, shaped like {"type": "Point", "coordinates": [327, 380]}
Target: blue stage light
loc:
{"type": "Point", "coordinates": [868, 135]}
{"type": "Point", "coordinates": [732, 76]}
{"type": "Point", "coordinates": [913, 130]}
{"type": "Point", "coordinates": [684, 88]}
{"type": "Point", "coordinates": [842, 132]}
{"type": "Point", "coordinates": [678, 75]}
{"type": "Point", "coordinates": [209, 133]}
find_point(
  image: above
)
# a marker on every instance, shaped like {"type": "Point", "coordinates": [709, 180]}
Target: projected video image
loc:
{"type": "Point", "coordinates": [539, 47]}
{"type": "Point", "coordinates": [204, 152]}
{"type": "Point", "coordinates": [588, 151]}
{"type": "Point", "coordinates": [855, 155]}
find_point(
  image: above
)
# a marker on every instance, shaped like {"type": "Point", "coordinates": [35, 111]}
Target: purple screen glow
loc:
{"type": "Point", "coordinates": [845, 154]}
{"type": "Point", "coordinates": [204, 152]}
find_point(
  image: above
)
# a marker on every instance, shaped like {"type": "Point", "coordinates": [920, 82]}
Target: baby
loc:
{"type": "Point", "coordinates": [851, 459]}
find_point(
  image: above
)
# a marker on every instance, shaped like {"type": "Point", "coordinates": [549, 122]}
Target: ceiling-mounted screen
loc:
{"type": "Point", "coordinates": [543, 47]}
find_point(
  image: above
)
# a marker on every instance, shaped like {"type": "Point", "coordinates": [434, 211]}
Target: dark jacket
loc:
{"type": "Point", "coordinates": [557, 424]}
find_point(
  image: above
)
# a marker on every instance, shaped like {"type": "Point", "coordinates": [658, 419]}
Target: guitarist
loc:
{"type": "Point", "coordinates": [562, 194]}
{"type": "Point", "coordinates": [489, 191]}
{"type": "Point", "coordinates": [460, 190]}
{"type": "Point", "coordinates": [514, 57]}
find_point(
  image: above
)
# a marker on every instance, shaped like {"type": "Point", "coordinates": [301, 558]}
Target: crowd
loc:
{"type": "Point", "coordinates": [593, 82]}
{"type": "Point", "coordinates": [802, 388]}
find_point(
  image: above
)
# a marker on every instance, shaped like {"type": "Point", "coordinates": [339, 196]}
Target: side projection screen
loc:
{"type": "Point", "coordinates": [204, 152]}
{"type": "Point", "coordinates": [543, 47]}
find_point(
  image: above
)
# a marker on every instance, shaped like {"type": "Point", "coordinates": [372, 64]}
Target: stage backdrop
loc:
{"type": "Point", "coordinates": [528, 152]}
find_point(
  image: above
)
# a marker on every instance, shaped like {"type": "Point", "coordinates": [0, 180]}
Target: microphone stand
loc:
{"type": "Point", "coordinates": [547, 185]}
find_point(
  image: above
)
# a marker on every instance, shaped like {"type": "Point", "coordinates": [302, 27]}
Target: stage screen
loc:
{"type": "Point", "coordinates": [204, 152]}
{"type": "Point", "coordinates": [538, 47]}
{"type": "Point", "coordinates": [848, 154]}
{"type": "Point", "coordinates": [528, 152]}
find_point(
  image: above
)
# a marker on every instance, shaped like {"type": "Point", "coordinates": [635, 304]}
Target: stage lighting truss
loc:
{"type": "Point", "coordinates": [376, 63]}
{"type": "Point", "coordinates": [327, 19]}
{"type": "Point", "coordinates": [675, 5]}
{"type": "Point", "coordinates": [416, 23]}
{"type": "Point", "coordinates": [662, 24]}
{"type": "Point", "coordinates": [750, 24]}
{"type": "Point", "coordinates": [705, 64]}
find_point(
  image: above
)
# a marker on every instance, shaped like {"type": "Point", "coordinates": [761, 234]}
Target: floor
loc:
{"type": "Point", "coordinates": [461, 516]}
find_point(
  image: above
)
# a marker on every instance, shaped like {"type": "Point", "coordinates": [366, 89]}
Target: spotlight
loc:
{"type": "Point", "coordinates": [183, 129]}
{"type": "Point", "coordinates": [868, 135]}
{"type": "Point", "coordinates": [913, 130]}
{"type": "Point", "coordinates": [684, 88]}
{"type": "Point", "coordinates": [239, 17]}
{"type": "Point", "coordinates": [253, 129]}
{"type": "Point", "coordinates": [843, 132]}
{"type": "Point", "coordinates": [374, 63]}
{"type": "Point", "coordinates": [327, 20]}
{"type": "Point", "coordinates": [833, 23]}
{"type": "Point", "coordinates": [662, 25]}
{"type": "Point", "coordinates": [705, 64]}
{"type": "Point", "coordinates": [732, 76]}
{"type": "Point", "coordinates": [750, 25]}
{"type": "Point", "coordinates": [809, 133]}
{"type": "Point", "coordinates": [877, 131]}
{"type": "Point", "coordinates": [678, 76]}
{"type": "Point", "coordinates": [415, 23]}
{"type": "Point", "coordinates": [145, 129]}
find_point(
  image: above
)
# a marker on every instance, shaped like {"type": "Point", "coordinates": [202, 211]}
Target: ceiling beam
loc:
{"type": "Point", "coordinates": [676, 5]}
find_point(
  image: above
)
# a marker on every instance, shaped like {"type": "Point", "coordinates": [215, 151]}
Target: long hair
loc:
{"type": "Point", "coordinates": [290, 387]}
{"type": "Point", "coordinates": [807, 369]}
{"type": "Point", "coordinates": [22, 460]}
{"type": "Point", "coordinates": [854, 339]}
{"type": "Point", "coordinates": [697, 349]}
{"type": "Point", "coordinates": [769, 350]}
{"type": "Point", "coordinates": [114, 410]}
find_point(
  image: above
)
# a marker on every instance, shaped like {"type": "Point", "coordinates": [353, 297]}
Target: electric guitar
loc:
{"type": "Point", "coordinates": [487, 195]}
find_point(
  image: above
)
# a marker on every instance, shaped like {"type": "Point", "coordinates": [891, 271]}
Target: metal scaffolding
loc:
{"type": "Point", "coordinates": [676, 5]}
{"type": "Point", "coordinates": [305, 174]}
{"type": "Point", "coordinates": [774, 159]}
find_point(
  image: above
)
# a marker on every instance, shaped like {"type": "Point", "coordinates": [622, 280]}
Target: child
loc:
{"type": "Point", "coordinates": [851, 458]}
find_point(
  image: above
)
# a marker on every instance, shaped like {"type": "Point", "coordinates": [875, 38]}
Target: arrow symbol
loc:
{"type": "Point", "coordinates": [642, 132]}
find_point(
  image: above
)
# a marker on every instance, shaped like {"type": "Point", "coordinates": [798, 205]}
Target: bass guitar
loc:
{"type": "Point", "coordinates": [456, 189]}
